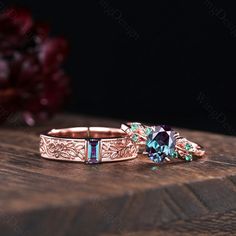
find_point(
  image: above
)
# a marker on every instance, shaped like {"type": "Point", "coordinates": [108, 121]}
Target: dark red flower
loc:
{"type": "Point", "coordinates": [52, 53]}
{"type": "Point", "coordinates": [32, 81]}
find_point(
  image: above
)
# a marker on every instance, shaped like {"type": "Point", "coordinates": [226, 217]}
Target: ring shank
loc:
{"type": "Point", "coordinates": [87, 144]}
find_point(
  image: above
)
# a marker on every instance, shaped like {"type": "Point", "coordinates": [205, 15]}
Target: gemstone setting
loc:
{"type": "Point", "coordinates": [135, 126]}
{"type": "Point", "coordinates": [188, 146]}
{"type": "Point", "coordinates": [189, 157]}
{"type": "Point", "coordinates": [135, 138]}
{"type": "Point", "coordinates": [161, 143]}
{"type": "Point", "coordinates": [93, 151]}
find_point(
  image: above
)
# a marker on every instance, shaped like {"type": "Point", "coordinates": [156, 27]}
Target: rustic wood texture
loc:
{"type": "Point", "coordinates": [41, 197]}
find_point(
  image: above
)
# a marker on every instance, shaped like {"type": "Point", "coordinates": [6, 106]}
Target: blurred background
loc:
{"type": "Point", "coordinates": [169, 62]}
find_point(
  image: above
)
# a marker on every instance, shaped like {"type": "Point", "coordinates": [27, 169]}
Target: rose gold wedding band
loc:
{"type": "Point", "coordinates": [87, 144]}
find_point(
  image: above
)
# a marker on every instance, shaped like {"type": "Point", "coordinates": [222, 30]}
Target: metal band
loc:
{"type": "Point", "coordinates": [138, 136]}
{"type": "Point", "coordinates": [87, 144]}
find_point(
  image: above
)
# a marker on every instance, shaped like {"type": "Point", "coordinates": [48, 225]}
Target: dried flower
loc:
{"type": "Point", "coordinates": [32, 81]}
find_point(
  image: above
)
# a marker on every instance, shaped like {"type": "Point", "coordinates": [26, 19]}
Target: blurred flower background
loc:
{"type": "Point", "coordinates": [32, 81]}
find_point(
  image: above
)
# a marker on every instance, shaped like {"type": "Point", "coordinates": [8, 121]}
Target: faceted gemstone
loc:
{"type": "Point", "coordinates": [135, 138]}
{"type": "Point", "coordinates": [160, 143]}
{"type": "Point", "coordinates": [134, 126]}
{"type": "Point", "coordinates": [93, 151]}
{"type": "Point", "coordinates": [156, 157]}
{"type": "Point", "coordinates": [189, 157]}
{"type": "Point", "coordinates": [174, 154]}
{"type": "Point", "coordinates": [148, 131]}
{"type": "Point", "coordinates": [188, 146]}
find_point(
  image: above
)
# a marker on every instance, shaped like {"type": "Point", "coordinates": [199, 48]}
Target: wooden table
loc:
{"type": "Point", "coordinates": [41, 197]}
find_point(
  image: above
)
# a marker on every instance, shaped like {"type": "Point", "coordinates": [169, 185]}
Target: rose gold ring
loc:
{"type": "Point", "coordinates": [87, 144]}
{"type": "Point", "coordinates": [162, 143]}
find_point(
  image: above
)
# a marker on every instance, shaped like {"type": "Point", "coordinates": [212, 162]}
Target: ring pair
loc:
{"type": "Point", "coordinates": [98, 144]}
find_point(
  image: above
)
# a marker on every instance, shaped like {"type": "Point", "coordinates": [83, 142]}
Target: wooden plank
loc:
{"type": "Point", "coordinates": [41, 197]}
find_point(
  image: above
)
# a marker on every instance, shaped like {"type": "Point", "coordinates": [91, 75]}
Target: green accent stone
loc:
{"type": "Point", "coordinates": [188, 146]}
{"type": "Point", "coordinates": [135, 137]}
{"type": "Point", "coordinates": [148, 131]}
{"type": "Point", "coordinates": [174, 154]}
{"type": "Point", "coordinates": [134, 126]}
{"type": "Point", "coordinates": [189, 157]}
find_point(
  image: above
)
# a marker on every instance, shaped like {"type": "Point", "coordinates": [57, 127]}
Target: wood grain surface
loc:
{"type": "Point", "coordinates": [41, 197]}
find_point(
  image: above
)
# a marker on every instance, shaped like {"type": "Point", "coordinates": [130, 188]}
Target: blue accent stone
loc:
{"type": "Point", "coordinates": [160, 143]}
{"type": "Point", "coordinates": [93, 151]}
